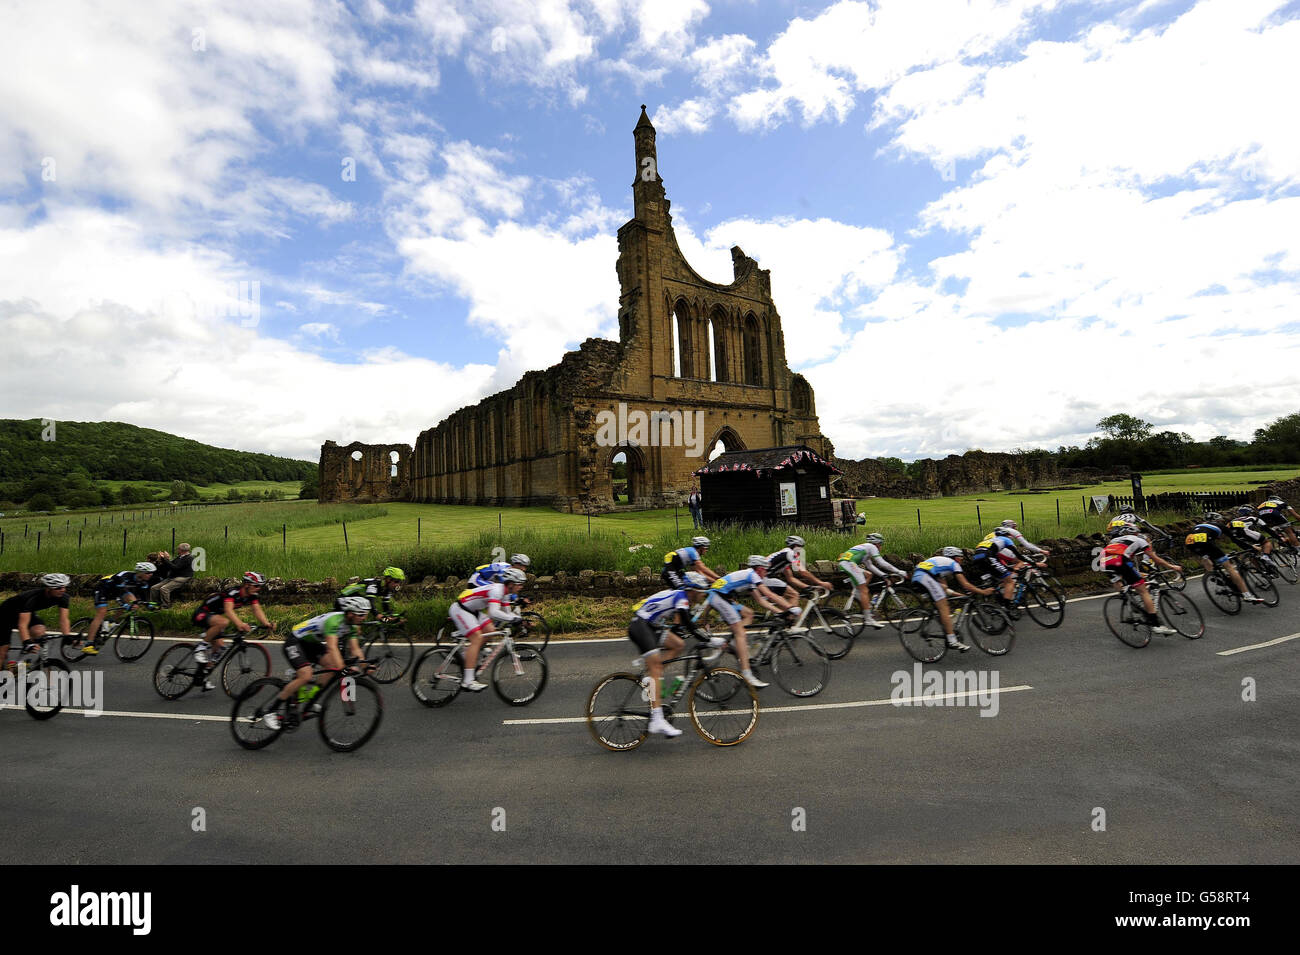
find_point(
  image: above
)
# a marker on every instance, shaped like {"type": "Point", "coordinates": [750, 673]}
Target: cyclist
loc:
{"type": "Point", "coordinates": [1273, 515]}
{"type": "Point", "coordinates": [473, 613]}
{"type": "Point", "coordinates": [1010, 528]}
{"type": "Point", "coordinates": [677, 562]}
{"type": "Point", "coordinates": [737, 616]}
{"type": "Point", "coordinates": [319, 640]}
{"type": "Point", "coordinates": [1202, 541]}
{"type": "Point", "coordinates": [19, 613]}
{"type": "Point", "coordinates": [121, 587]}
{"type": "Point", "coordinates": [1248, 533]}
{"type": "Point", "coordinates": [376, 590]}
{"type": "Point", "coordinates": [656, 628]}
{"type": "Point", "coordinates": [932, 574]}
{"type": "Point", "coordinates": [218, 611]}
{"type": "Point", "coordinates": [995, 558]}
{"type": "Point", "coordinates": [787, 566]}
{"type": "Point", "coordinates": [1119, 559]}
{"type": "Point", "coordinates": [859, 562]}
{"type": "Point", "coordinates": [1124, 519]}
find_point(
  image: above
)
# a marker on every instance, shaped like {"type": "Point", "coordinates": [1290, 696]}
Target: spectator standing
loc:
{"type": "Point", "coordinates": [696, 503]}
{"type": "Point", "coordinates": [176, 572]}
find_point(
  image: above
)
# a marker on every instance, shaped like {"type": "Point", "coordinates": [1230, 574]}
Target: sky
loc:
{"type": "Point", "coordinates": [989, 224]}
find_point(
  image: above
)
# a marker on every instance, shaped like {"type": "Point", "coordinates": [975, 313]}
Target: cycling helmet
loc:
{"type": "Point", "coordinates": [1130, 528]}
{"type": "Point", "coordinates": [255, 579]}
{"type": "Point", "coordinates": [1129, 516]}
{"type": "Point", "coordinates": [144, 567]}
{"type": "Point", "coordinates": [875, 539]}
{"type": "Point", "coordinates": [794, 540]}
{"type": "Point", "coordinates": [953, 552]}
{"type": "Point", "coordinates": [1213, 516]}
{"type": "Point", "coordinates": [758, 560]}
{"type": "Point", "coordinates": [54, 581]}
{"type": "Point", "coordinates": [698, 542]}
{"type": "Point", "coordinates": [522, 560]}
{"type": "Point", "coordinates": [396, 573]}
{"type": "Point", "coordinates": [695, 580]}
{"type": "Point", "coordinates": [355, 604]}
{"type": "Point", "coordinates": [513, 576]}
{"type": "Point", "coordinates": [1245, 511]}
{"type": "Point", "coordinates": [1009, 523]}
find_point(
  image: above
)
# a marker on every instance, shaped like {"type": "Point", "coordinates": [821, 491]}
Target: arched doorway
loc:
{"type": "Point", "coordinates": [725, 440]}
{"type": "Point", "coordinates": [626, 474]}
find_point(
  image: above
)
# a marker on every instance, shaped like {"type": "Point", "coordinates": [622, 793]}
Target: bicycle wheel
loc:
{"type": "Point", "coordinates": [70, 647]}
{"type": "Point", "coordinates": [894, 606]}
{"type": "Point", "coordinates": [728, 712]}
{"type": "Point", "coordinates": [991, 629]}
{"type": "Point", "coordinates": [177, 671]}
{"type": "Point", "coordinates": [1174, 579]}
{"type": "Point", "coordinates": [921, 635]}
{"type": "Point", "coordinates": [1286, 565]}
{"type": "Point", "coordinates": [519, 684]}
{"type": "Point", "coordinates": [246, 715]}
{"type": "Point", "coordinates": [618, 717]}
{"type": "Point", "coordinates": [1260, 585]}
{"type": "Point", "coordinates": [242, 665]}
{"type": "Point", "coordinates": [435, 681]}
{"type": "Point", "coordinates": [800, 666]}
{"type": "Point", "coordinates": [1045, 606]}
{"type": "Point", "coordinates": [1221, 593]}
{"type": "Point", "coordinates": [1181, 613]}
{"type": "Point", "coordinates": [351, 709]}
{"type": "Point", "coordinates": [47, 688]}
{"type": "Point", "coordinates": [133, 640]}
{"type": "Point", "coordinates": [391, 647]}
{"type": "Point", "coordinates": [833, 631]}
{"type": "Point", "coordinates": [539, 631]}
{"type": "Point", "coordinates": [1120, 620]}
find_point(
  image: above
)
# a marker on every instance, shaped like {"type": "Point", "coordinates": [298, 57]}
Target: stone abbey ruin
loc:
{"type": "Point", "coordinates": [689, 351]}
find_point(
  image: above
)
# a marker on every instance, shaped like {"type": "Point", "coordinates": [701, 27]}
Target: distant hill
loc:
{"type": "Point", "coordinates": [111, 450]}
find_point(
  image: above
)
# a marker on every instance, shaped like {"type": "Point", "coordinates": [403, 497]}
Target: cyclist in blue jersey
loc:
{"type": "Point", "coordinates": [932, 574]}
{"type": "Point", "coordinates": [657, 624]}
{"type": "Point", "coordinates": [678, 562]}
{"type": "Point", "coordinates": [722, 594]}
{"type": "Point", "coordinates": [1203, 541]}
{"type": "Point", "coordinates": [125, 587]}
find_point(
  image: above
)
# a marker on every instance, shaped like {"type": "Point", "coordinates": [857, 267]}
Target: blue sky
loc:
{"type": "Point", "coordinates": [988, 223]}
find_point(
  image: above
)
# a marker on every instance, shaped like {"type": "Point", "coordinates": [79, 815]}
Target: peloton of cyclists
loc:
{"type": "Point", "coordinates": [1202, 541]}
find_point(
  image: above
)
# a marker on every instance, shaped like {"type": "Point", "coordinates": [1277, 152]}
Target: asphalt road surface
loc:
{"type": "Point", "coordinates": [1092, 752]}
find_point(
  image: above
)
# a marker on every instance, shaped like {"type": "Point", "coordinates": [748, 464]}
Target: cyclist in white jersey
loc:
{"type": "Point", "coordinates": [655, 629]}
{"type": "Point", "coordinates": [475, 611]}
{"type": "Point", "coordinates": [859, 562]}
{"type": "Point", "coordinates": [787, 566]}
{"type": "Point", "coordinates": [736, 616]}
{"type": "Point", "coordinates": [931, 573]}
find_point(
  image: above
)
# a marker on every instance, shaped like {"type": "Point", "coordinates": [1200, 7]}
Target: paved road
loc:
{"type": "Point", "coordinates": [1159, 739]}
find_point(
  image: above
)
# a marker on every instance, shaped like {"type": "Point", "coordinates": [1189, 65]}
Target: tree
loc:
{"type": "Point", "coordinates": [133, 494]}
{"type": "Point", "coordinates": [1125, 427]}
{"type": "Point", "coordinates": [1279, 442]}
{"type": "Point", "coordinates": [234, 495]}
{"type": "Point", "coordinates": [40, 502]}
{"type": "Point", "coordinates": [310, 489]}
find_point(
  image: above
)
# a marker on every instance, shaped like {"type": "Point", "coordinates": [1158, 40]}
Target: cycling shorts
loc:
{"type": "Point", "coordinates": [301, 653]}
{"type": "Point", "coordinates": [1207, 549]}
{"type": "Point", "coordinates": [854, 571]}
{"type": "Point", "coordinates": [728, 611]}
{"type": "Point", "coordinates": [644, 635]}
{"type": "Point", "coordinates": [933, 586]}
{"type": "Point", "coordinates": [983, 566]}
{"type": "Point", "coordinates": [673, 578]}
{"type": "Point", "coordinates": [1123, 570]}
{"type": "Point", "coordinates": [466, 621]}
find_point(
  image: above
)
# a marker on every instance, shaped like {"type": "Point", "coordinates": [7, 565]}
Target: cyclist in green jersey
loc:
{"type": "Point", "coordinates": [378, 590]}
{"type": "Point", "coordinates": [318, 640]}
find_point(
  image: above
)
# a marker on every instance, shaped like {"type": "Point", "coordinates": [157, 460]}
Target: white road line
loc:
{"type": "Point", "coordinates": [1259, 646]}
{"type": "Point", "coordinates": [903, 701]}
{"type": "Point", "coordinates": [148, 716]}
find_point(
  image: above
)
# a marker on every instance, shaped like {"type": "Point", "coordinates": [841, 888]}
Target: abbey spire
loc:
{"type": "Point", "coordinates": [648, 200]}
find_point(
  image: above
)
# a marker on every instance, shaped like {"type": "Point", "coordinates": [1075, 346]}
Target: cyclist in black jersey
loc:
{"type": "Point", "coordinates": [19, 613]}
{"type": "Point", "coordinates": [218, 611]}
{"type": "Point", "coordinates": [125, 587]}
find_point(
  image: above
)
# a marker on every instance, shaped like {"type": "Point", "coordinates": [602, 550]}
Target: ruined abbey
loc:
{"type": "Point", "coordinates": [703, 363]}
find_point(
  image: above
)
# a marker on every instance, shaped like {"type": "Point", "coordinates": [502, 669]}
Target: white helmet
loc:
{"type": "Point", "coordinates": [522, 559]}
{"type": "Point", "coordinates": [144, 567]}
{"type": "Point", "coordinates": [698, 542]}
{"type": "Point", "coordinates": [758, 560]}
{"type": "Point", "coordinates": [54, 581]}
{"type": "Point", "coordinates": [1009, 523]}
{"type": "Point", "coordinates": [695, 580]}
{"type": "Point", "coordinates": [355, 604]}
{"type": "Point", "coordinates": [513, 576]}
{"type": "Point", "coordinates": [794, 540]}
{"type": "Point", "coordinates": [254, 578]}
{"type": "Point", "coordinates": [875, 539]}
{"type": "Point", "coordinates": [953, 552]}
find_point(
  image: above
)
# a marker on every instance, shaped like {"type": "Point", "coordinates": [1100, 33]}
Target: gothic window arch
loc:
{"type": "Point", "coordinates": [753, 352]}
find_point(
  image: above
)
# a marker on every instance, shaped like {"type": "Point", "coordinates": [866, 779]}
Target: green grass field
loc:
{"type": "Point", "coordinates": [215, 491]}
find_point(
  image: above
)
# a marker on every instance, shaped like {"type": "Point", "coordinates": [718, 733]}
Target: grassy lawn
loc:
{"type": "Point", "coordinates": [212, 491]}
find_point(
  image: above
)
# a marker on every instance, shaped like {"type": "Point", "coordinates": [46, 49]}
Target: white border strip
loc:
{"type": "Point", "coordinates": [1259, 646]}
{"type": "Point", "coordinates": [903, 701]}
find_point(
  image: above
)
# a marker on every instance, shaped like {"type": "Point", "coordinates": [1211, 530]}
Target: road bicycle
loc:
{"type": "Point", "coordinates": [1126, 616]}
{"type": "Point", "coordinates": [723, 708]}
{"type": "Point", "coordinates": [387, 642]}
{"type": "Point", "coordinates": [1223, 593]}
{"type": "Point", "coordinates": [1162, 576]}
{"type": "Point", "coordinates": [348, 709]}
{"type": "Point", "coordinates": [1036, 596]}
{"type": "Point", "coordinates": [833, 632]}
{"type": "Point", "coordinates": [889, 601]}
{"type": "Point", "coordinates": [178, 670]}
{"type": "Point", "coordinates": [985, 624]}
{"type": "Point", "coordinates": [44, 686]}
{"type": "Point", "coordinates": [799, 664]}
{"type": "Point", "coordinates": [132, 633]}
{"type": "Point", "coordinates": [517, 671]}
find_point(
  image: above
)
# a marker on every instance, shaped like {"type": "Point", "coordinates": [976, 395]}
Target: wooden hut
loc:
{"type": "Point", "coordinates": [788, 485]}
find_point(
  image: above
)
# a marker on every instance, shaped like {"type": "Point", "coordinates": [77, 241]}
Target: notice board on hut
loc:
{"type": "Point", "coordinates": [786, 485]}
